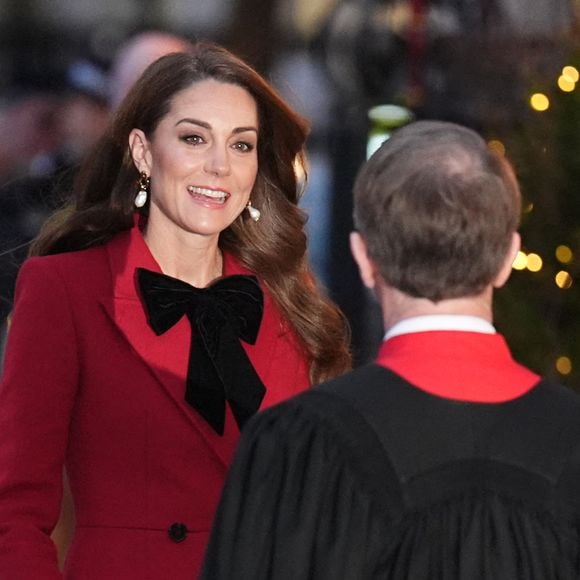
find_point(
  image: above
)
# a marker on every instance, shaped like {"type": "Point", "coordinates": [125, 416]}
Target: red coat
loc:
{"type": "Point", "coordinates": [88, 384]}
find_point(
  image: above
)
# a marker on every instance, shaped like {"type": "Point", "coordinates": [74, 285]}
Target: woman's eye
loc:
{"type": "Point", "coordinates": [244, 146]}
{"type": "Point", "coordinates": [193, 139]}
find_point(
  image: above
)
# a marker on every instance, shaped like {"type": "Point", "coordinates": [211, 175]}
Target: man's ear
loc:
{"type": "Point", "coordinates": [365, 265]}
{"type": "Point", "coordinates": [139, 148]}
{"type": "Point", "coordinates": [506, 269]}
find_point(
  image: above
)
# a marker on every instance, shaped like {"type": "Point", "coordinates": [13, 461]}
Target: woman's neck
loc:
{"type": "Point", "coordinates": [191, 258]}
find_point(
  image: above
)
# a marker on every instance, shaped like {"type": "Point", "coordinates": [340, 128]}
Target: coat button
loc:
{"type": "Point", "coordinates": [177, 532]}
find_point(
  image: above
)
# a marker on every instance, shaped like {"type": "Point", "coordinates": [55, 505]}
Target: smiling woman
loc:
{"type": "Point", "coordinates": [203, 160]}
{"type": "Point", "coordinates": [162, 308]}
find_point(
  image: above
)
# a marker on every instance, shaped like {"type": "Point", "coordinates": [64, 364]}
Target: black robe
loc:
{"type": "Point", "coordinates": [369, 477]}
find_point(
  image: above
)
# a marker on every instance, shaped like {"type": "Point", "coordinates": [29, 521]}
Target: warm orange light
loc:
{"type": "Point", "coordinates": [571, 72]}
{"type": "Point", "coordinates": [520, 262]}
{"type": "Point", "coordinates": [563, 280]}
{"type": "Point", "coordinates": [564, 365]}
{"type": "Point", "coordinates": [535, 263]}
{"type": "Point", "coordinates": [497, 146]}
{"type": "Point", "coordinates": [566, 84]}
{"type": "Point", "coordinates": [539, 102]}
{"type": "Point", "coordinates": [564, 254]}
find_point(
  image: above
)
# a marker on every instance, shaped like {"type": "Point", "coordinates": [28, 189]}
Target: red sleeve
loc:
{"type": "Point", "coordinates": [36, 398]}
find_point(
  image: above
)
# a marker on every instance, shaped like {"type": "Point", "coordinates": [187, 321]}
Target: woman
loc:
{"type": "Point", "coordinates": [184, 232]}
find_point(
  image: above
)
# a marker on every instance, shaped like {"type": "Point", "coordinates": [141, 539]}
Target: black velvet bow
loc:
{"type": "Point", "coordinates": [221, 314]}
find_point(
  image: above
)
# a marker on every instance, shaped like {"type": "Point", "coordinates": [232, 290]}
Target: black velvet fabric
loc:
{"type": "Point", "coordinates": [369, 477]}
{"type": "Point", "coordinates": [220, 315]}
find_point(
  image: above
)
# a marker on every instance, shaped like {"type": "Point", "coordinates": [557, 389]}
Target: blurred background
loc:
{"type": "Point", "coordinates": [357, 69]}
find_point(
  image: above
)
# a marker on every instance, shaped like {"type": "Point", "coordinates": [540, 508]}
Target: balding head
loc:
{"type": "Point", "coordinates": [438, 210]}
{"type": "Point", "coordinates": [136, 55]}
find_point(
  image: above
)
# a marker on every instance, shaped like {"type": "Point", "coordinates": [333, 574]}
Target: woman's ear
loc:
{"type": "Point", "coordinates": [365, 265]}
{"type": "Point", "coordinates": [140, 153]}
{"type": "Point", "coordinates": [506, 269]}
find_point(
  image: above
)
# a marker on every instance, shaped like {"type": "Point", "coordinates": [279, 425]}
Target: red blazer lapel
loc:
{"type": "Point", "coordinates": [167, 355]}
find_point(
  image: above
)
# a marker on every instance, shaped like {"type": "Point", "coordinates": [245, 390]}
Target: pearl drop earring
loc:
{"type": "Point", "coordinates": [254, 212]}
{"type": "Point", "coordinates": [141, 197]}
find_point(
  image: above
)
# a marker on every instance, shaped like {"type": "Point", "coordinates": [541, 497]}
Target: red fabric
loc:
{"type": "Point", "coordinates": [86, 381]}
{"type": "Point", "coordinates": [467, 366]}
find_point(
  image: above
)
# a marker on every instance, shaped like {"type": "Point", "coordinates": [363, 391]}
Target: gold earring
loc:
{"type": "Point", "coordinates": [254, 212]}
{"type": "Point", "coordinates": [144, 183]}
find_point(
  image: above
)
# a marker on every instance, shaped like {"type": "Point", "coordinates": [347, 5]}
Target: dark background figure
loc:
{"type": "Point", "coordinates": [46, 135]}
{"type": "Point", "coordinates": [135, 55]}
{"type": "Point", "coordinates": [60, 129]}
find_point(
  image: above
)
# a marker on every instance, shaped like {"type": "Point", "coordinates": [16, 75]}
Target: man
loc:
{"type": "Point", "coordinates": [445, 459]}
{"type": "Point", "coordinates": [136, 54]}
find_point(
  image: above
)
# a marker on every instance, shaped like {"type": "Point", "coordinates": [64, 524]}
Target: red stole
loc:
{"type": "Point", "coordinates": [466, 366]}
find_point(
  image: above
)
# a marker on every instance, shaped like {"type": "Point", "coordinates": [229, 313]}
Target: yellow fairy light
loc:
{"type": "Point", "coordinates": [534, 263]}
{"type": "Point", "coordinates": [566, 84]}
{"type": "Point", "coordinates": [520, 262]}
{"type": "Point", "coordinates": [563, 280]}
{"type": "Point", "coordinates": [564, 365]}
{"type": "Point", "coordinates": [497, 146]}
{"type": "Point", "coordinates": [539, 102]}
{"type": "Point", "coordinates": [564, 254]}
{"type": "Point", "coordinates": [571, 72]}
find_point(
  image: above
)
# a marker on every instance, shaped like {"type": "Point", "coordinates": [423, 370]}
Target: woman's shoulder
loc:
{"type": "Point", "coordinates": [80, 268]}
{"type": "Point", "coordinates": [67, 260]}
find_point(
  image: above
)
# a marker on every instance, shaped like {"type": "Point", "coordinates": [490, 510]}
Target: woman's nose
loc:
{"type": "Point", "coordinates": [217, 161]}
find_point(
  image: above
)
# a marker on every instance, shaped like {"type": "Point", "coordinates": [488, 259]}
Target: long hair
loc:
{"type": "Point", "coordinates": [274, 248]}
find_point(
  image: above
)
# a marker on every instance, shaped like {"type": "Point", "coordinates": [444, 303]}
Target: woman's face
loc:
{"type": "Point", "coordinates": [202, 159]}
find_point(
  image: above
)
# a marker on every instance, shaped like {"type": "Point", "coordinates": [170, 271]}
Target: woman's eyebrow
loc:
{"type": "Point", "coordinates": [208, 126]}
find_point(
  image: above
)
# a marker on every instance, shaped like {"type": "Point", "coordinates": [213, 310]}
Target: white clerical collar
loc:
{"type": "Point", "coordinates": [425, 323]}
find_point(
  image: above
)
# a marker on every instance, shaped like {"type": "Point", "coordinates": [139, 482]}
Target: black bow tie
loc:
{"type": "Point", "coordinates": [221, 314]}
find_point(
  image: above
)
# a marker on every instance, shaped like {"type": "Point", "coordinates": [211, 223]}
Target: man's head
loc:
{"type": "Point", "coordinates": [136, 55]}
{"type": "Point", "coordinates": [438, 211]}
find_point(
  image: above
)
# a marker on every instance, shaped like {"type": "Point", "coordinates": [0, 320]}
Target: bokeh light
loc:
{"type": "Point", "coordinates": [528, 207]}
{"type": "Point", "coordinates": [566, 84]}
{"type": "Point", "coordinates": [571, 72]}
{"type": "Point", "coordinates": [497, 146]}
{"type": "Point", "coordinates": [535, 263]}
{"type": "Point", "coordinates": [520, 262]}
{"type": "Point", "coordinates": [539, 102]}
{"type": "Point", "coordinates": [564, 254]}
{"type": "Point", "coordinates": [564, 365]}
{"type": "Point", "coordinates": [563, 280]}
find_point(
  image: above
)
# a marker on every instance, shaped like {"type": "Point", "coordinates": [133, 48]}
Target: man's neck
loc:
{"type": "Point", "coordinates": [397, 306]}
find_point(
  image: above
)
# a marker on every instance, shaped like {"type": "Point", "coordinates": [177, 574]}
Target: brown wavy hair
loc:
{"type": "Point", "coordinates": [274, 248]}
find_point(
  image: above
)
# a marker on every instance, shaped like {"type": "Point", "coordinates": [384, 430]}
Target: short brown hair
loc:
{"type": "Point", "coordinates": [437, 209]}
